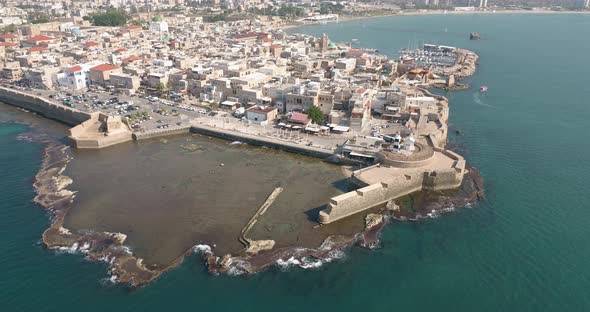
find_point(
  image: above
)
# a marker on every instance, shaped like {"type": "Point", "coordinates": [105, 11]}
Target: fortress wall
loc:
{"type": "Point", "coordinates": [262, 141]}
{"type": "Point", "coordinates": [40, 105]}
{"type": "Point", "coordinates": [445, 180]}
{"type": "Point", "coordinates": [370, 196]}
{"type": "Point", "coordinates": [405, 164]}
{"type": "Point", "coordinates": [89, 134]}
{"type": "Point", "coordinates": [375, 194]}
{"type": "Point", "coordinates": [101, 141]}
{"type": "Point", "coordinates": [355, 181]}
{"type": "Point", "coordinates": [82, 122]}
{"type": "Point", "coordinates": [80, 129]}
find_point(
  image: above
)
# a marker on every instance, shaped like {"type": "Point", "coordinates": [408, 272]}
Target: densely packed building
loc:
{"type": "Point", "coordinates": [250, 66]}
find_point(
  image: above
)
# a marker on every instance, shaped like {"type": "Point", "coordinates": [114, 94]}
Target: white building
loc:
{"type": "Point", "coordinates": [159, 26]}
{"type": "Point", "coordinates": [408, 143]}
{"type": "Point", "coordinates": [420, 101]}
{"type": "Point", "coordinates": [261, 114]}
{"type": "Point", "coordinates": [76, 77]}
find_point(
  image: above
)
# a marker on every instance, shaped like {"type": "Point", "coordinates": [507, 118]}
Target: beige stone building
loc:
{"type": "Point", "coordinates": [126, 82]}
{"type": "Point", "coordinates": [100, 75]}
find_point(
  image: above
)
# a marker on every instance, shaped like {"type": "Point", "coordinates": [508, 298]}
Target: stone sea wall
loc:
{"type": "Point", "coordinates": [158, 133]}
{"type": "Point", "coordinates": [99, 131]}
{"type": "Point", "coordinates": [87, 127]}
{"type": "Point", "coordinates": [43, 106]}
{"type": "Point", "coordinates": [394, 187]}
{"type": "Point", "coordinates": [370, 196]}
{"type": "Point", "coordinates": [262, 141]}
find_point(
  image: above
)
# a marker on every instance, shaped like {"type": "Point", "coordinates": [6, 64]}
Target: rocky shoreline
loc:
{"type": "Point", "coordinates": [52, 194]}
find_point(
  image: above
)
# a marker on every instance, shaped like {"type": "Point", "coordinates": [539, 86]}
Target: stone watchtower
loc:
{"type": "Point", "coordinates": [324, 42]}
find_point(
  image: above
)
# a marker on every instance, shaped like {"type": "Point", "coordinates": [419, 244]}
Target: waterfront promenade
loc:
{"type": "Point", "coordinates": [224, 127]}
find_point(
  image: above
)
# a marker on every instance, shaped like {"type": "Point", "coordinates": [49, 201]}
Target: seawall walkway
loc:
{"type": "Point", "coordinates": [261, 141]}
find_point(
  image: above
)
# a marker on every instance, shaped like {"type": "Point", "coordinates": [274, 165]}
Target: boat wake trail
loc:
{"type": "Point", "coordinates": [477, 98]}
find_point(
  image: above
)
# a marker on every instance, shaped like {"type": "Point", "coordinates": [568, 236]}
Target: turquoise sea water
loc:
{"type": "Point", "coordinates": [525, 248]}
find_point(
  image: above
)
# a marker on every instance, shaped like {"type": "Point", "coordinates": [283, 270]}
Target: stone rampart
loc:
{"type": "Point", "coordinates": [428, 157]}
{"type": "Point", "coordinates": [42, 106]}
{"type": "Point", "coordinates": [90, 130]}
{"type": "Point", "coordinates": [393, 187]}
{"type": "Point", "coordinates": [370, 196]}
{"type": "Point", "coordinates": [99, 131]}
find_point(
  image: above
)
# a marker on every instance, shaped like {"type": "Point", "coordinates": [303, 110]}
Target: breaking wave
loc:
{"type": "Point", "coordinates": [309, 262]}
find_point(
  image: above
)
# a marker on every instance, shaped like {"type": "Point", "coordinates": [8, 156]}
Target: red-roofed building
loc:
{"type": "Point", "coordinates": [354, 53]}
{"type": "Point", "coordinates": [133, 29]}
{"type": "Point", "coordinates": [130, 59]}
{"type": "Point", "coordinates": [261, 115]}
{"type": "Point", "coordinates": [100, 74]}
{"type": "Point", "coordinates": [76, 77]}
{"type": "Point", "coordinates": [38, 49]}
{"type": "Point", "coordinates": [120, 50]}
{"type": "Point", "coordinates": [40, 40]}
{"type": "Point", "coordinates": [8, 38]}
{"type": "Point", "coordinates": [90, 44]}
{"type": "Point", "coordinates": [74, 69]}
{"type": "Point", "coordinates": [8, 44]}
{"type": "Point", "coordinates": [299, 118]}
{"type": "Point", "coordinates": [276, 50]}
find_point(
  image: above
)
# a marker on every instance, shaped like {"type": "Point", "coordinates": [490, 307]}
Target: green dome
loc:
{"type": "Point", "coordinates": [156, 18]}
{"type": "Point", "coordinates": [331, 45]}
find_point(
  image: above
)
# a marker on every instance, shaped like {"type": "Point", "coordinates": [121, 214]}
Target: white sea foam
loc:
{"type": "Point", "coordinates": [110, 280]}
{"type": "Point", "coordinates": [202, 249]}
{"type": "Point", "coordinates": [84, 248]}
{"type": "Point", "coordinates": [71, 250]}
{"type": "Point", "coordinates": [334, 255]}
{"type": "Point", "coordinates": [106, 259]}
{"type": "Point", "coordinates": [286, 264]}
{"type": "Point", "coordinates": [311, 263]}
{"type": "Point", "coordinates": [126, 249]}
{"type": "Point", "coordinates": [235, 271]}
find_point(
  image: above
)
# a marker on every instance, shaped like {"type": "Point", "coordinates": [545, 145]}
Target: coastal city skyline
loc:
{"type": "Point", "coordinates": [167, 142]}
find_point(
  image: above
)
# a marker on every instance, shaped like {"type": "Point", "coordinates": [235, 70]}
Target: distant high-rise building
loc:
{"type": "Point", "coordinates": [428, 3]}
{"type": "Point", "coordinates": [587, 4]}
{"type": "Point", "coordinates": [483, 3]}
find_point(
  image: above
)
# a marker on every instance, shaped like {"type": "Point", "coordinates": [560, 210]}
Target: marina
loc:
{"type": "Point", "coordinates": [430, 55]}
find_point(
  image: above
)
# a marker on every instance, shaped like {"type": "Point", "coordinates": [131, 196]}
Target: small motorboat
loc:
{"type": "Point", "coordinates": [483, 89]}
